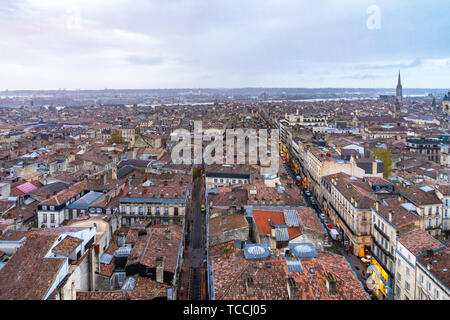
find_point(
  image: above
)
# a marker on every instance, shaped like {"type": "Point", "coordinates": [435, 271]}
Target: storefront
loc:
{"type": "Point", "coordinates": [381, 278]}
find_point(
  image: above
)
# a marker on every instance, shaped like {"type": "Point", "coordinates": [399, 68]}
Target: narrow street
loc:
{"type": "Point", "coordinates": [193, 276]}
{"type": "Point", "coordinates": [356, 264]}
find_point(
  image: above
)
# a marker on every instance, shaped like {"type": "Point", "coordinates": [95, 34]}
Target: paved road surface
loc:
{"type": "Point", "coordinates": [195, 251]}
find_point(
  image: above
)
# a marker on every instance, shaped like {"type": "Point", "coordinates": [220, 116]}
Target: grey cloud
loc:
{"type": "Point", "coordinates": [362, 76]}
{"type": "Point", "coordinates": [415, 63]}
{"type": "Point", "coordinates": [241, 43]}
{"type": "Point", "coordinates": [143, 60]}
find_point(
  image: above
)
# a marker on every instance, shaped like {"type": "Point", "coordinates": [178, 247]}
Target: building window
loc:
{"type": "Point", "coordinates": [407, 286]}
{"type": "Point", "coordinates": [52, 218]}
{"type": "Point", "coordinates": [141, 211]}
{"type": "Point", "coordinates": [44, 207]}
{"type": "Point", "coordinates": [44, 218]}
{"type": "Point", "coordinates": [175, 211]}
{"type": "Point", "coordinates": [158, 211]}
{"type": "Point", "coordinates": [166, 211]}
{"type": "Point", "coordinates": [131, 210]}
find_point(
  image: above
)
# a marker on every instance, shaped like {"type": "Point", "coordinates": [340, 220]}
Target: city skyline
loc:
{"type": "Point", "coordinates": [185, 44]}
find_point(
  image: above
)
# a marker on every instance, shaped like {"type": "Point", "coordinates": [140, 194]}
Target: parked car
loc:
{"type": "Point", "coordinates": [322, 216]}
{"type": "Point", "coordinates": [334, 234]}
{"type": "Point", "coordinates": [365, 260]}
{"type": "Point", "coordinates": [308, 193]}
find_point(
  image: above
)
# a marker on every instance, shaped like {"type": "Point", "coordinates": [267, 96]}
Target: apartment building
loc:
{"type": "Point", "coordinates": [390, 220]}
{"type": "Point", "coordinates": [348, 201]}
{"type": "Point", "coordinates": [49, 264]}
{"type": "Point", "coordinates": [306, 120]}
{"type": "Point", "coordinates": [321, 162]}
{"type": "Point", "coordinates": [432, 280]}
{"type": "Point", "coordinates": [158, 204]}
{"type": "Point", "coordinates": [411, 248]}
{"type": "Point", "coordinates": [429, 206]}
{"type": "Point", "coordinates": [221, 179]}
{"type": "Point", "coordinates": [51, 212]}
{"type": "Point", "coordinates": [445, 154]}
{"type": "Point", "coordinates": [430, 147]}
{"type": "Point", "coordinates": [443, 193]}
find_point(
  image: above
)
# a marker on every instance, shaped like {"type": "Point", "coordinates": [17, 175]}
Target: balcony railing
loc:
{"type": "Point", "coordinates": [433, 227]}
{"type": "Point", "coordinates": [382, 232]}
{"type": "Point", "coordinates": [386, 252]}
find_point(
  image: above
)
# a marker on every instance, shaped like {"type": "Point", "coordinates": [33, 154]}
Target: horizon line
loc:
{"type": "Point", "coordinates": [226, 88]}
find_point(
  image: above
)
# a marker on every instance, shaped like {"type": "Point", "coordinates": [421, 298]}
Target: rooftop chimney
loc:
{"type": "Point", "coordinates": [168, 234]}
{"type": "Point", "coordinates": [121, 240]}
{"type": "Point", "coordinates": [250, 286]}
{"type": "Point", "coordinates": [272, 231]}
{"type": "Point", "coordinates": [391, 215]}
{"type": "Point", "coordinates": [160, 269]}
{"type": "Point", "coordinates": [292, 289]}
{"type": "Point", "coordinates": [330, 283]}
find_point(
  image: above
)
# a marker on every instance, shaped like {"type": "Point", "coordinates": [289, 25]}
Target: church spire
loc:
{"type": "Point", "coordinates": [398, 95]}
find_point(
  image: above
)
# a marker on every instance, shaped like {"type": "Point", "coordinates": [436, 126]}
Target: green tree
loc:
{"type": "Point", "coordinates": [384, 156]}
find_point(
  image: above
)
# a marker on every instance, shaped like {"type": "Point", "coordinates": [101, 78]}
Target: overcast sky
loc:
{"type": "Point", "coordinates": [94, 44]}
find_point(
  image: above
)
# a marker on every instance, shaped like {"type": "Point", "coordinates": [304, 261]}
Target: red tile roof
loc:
{"type": "Point", "coordinates": [28, 275]}
{"type": "Point", "coordinates": [419, 241]}
{"type": "Point", "coordinates": [68, 245]}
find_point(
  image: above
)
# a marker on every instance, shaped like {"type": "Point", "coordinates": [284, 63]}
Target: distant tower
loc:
{"type": "Point", "coordinates": [398, 96]}
{"type": "Point", "coordinates": [446, 104]}
{"type": "Point", "coordinates": [399, 91]}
